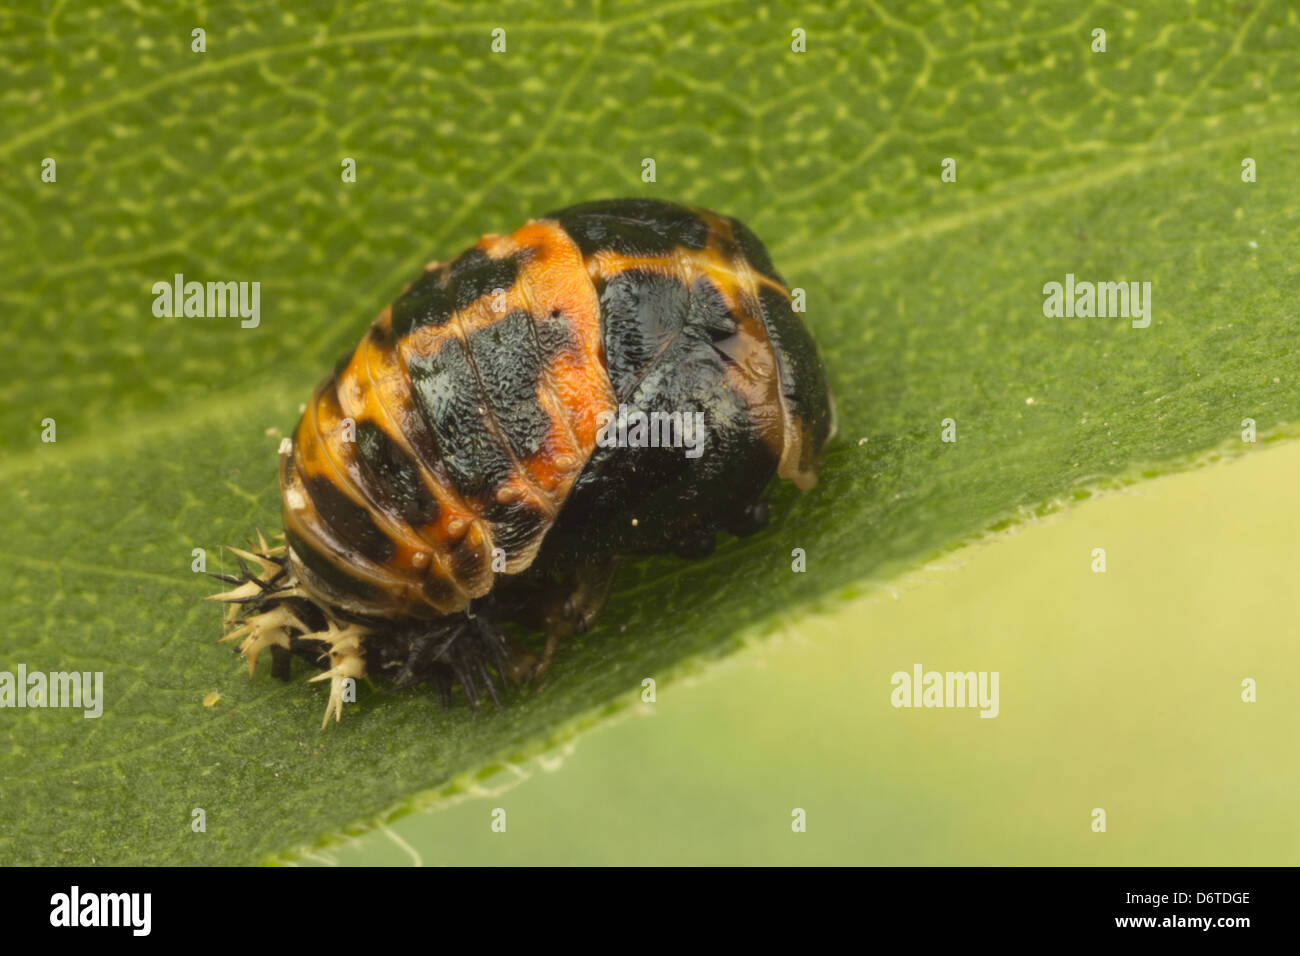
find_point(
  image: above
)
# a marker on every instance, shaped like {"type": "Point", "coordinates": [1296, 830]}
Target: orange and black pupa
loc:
{"type": "Point", "coordinates": [618, 378]}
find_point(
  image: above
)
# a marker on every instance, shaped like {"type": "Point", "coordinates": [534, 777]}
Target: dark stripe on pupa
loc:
{"type": "Point", "coordinates": [803, 377]}
{"type": "Point", "coordinates": [324, 568]}
{"type": "Point", "coordinates": [352, 524]}
{"type": "Point", "coordinates": [509, 362]}
{"type": "Point", "coordinates": [632, 227]}
{"type": "Point", "coordinates": [640, 314]}
{"type": "Point", "coordinates": [453, 407]}
{"type": "Point", "coordinates": [434, 297]}
{"type": "Point", "coordinates": [754, 250]}
{"type": "Point", "coordinates": [396, 475]}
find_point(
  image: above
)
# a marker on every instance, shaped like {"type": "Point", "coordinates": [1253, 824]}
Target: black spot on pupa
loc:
{"type": "Point", "coordinates": [475, 274]}
{"type": "Point", "coordinates": [555, 336]}
{"type": "Point", "coordinates": [447, 394]}
{"type": "Point", "coordinates": [426, 302]}
{"type": "Point", "coordinates": [640, 314]}
{"type": "Point", "coordinates": [508, 362]}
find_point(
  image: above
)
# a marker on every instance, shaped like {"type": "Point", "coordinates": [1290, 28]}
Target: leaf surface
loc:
{"type": "Point", "coordinates": [926, 298]}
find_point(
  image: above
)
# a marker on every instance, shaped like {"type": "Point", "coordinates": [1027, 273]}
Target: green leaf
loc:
{"type": "Point", "coordinates": [926, 298]}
